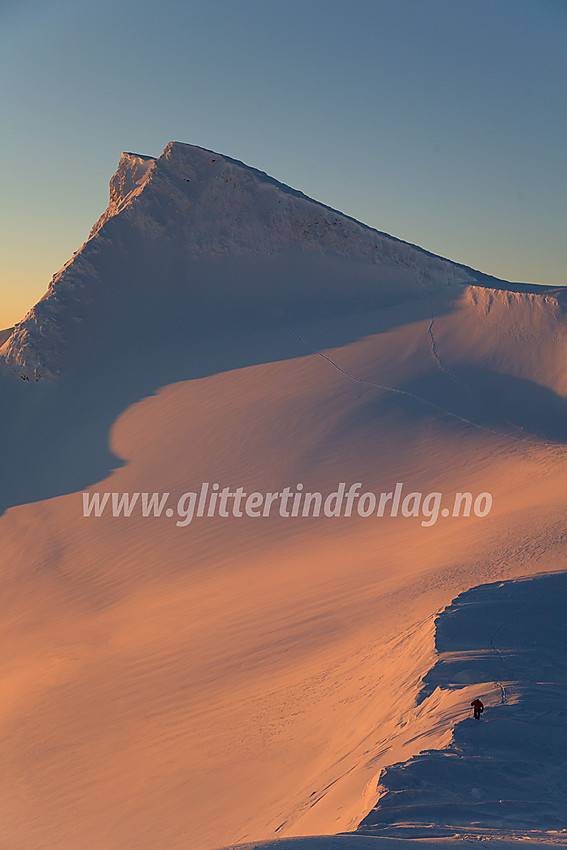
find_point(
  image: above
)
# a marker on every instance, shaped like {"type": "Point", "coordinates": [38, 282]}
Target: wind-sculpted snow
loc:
{"type": "Point", "coordinates": [250, 678]}
{"type": "Point", "coordinates": [505, 643]}
{"type": "Point", "coordinates": [130, 178]}
{"type": "Point", "coordinates": [168, 224]}
{"type": "Point", "coordinates": [501, 780]}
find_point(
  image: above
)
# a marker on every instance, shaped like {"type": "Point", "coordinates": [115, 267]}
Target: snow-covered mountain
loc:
{"type": "Point", "coordinates": [245, 679]}
{"type": "Point", "coordinates": [198, 238]}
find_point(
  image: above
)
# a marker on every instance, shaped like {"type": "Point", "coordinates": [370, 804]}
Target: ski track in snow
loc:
{"type": "Point", "coordinates": [503, 691]}
{"type": "Point", "coordinates": [147, 200]}
{"type": "Point", "coordinates": [397, 391]}
{"type": "Point", "coordinates": [500, 780]}
{"type": "Point", "coordinates": [506, 772]}
{"type": "Point", "coordinates": [501, 685]}
{"type": "Point", "coordinates": [448, 371]}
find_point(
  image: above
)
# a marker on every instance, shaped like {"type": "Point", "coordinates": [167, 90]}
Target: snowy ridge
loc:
{"type": "Point", "coordinates": [504, 642]}
{"type": "Point", "coordinates": [244, 679]}
{"type": "Point", "coordinates": [194, 206]}
{"type": "Point", "coordinates": [36, 344]}
{"type": "Point", "coordinates": [500, 780]}
{"type": "Point", "coordinates": [130, 178]}
{"type": "Point", "coordinates": [5, 335]}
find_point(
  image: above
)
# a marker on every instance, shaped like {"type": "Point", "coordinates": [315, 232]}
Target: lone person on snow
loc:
{"type": "Point", "coordinates": [478, 708]}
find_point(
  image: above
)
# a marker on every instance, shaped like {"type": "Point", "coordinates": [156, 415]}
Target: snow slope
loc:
{"type": "Point", "coordinates": [241, 679]}
{"type": "Point", "coordinates": [506, 643]}
{"type": "Point", "coordinates": [496, 840]}
{"type": "Point", "coordinates": [501, 780]}
{"type": "Point", "coordinates": [196, 237]}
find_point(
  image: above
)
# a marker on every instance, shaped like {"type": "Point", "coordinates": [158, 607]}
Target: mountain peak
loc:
{"type": "Point", "coordinates": [128, 181]}
{"type": "Point", "coordinates": [199, 234]}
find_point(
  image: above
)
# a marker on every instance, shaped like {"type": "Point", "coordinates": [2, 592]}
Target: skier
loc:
{"type": "Point", "coordinates": [478, 708]}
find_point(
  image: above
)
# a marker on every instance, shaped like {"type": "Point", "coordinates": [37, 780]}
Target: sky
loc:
{"type": "Point", "coordinates": [441, 122]}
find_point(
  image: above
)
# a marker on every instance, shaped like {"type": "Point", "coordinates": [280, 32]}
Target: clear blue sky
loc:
{"type": "Point", "coordinates": [442, 122]}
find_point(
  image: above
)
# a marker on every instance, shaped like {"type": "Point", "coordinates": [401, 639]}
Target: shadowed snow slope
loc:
{"type": "Point", "coordinates": [506, 643]}
{"type": "Point", "coordinates": [245, 678]}
{"type": "Point", "coordinates": [500, 780]}
{"type": "Point", "coordinates": [428, 840]}
{"type": "Point", "coordinates": [194, 239]}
